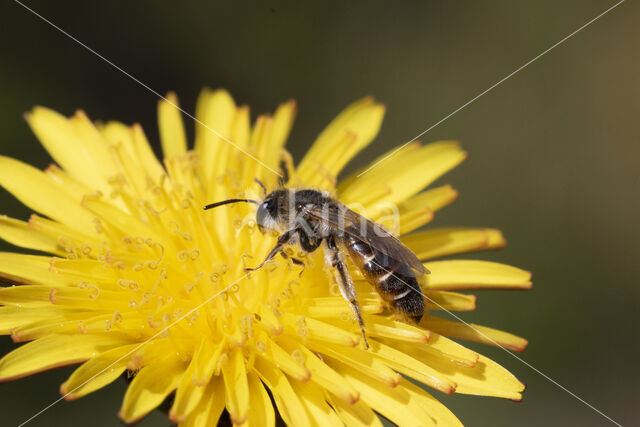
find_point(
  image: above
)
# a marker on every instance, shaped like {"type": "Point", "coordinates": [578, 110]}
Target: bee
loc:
{"type": "Point", "coordinates": [310, 219]}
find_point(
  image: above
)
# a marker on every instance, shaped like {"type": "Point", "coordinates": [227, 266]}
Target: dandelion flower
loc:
{"type": "Point", "coordinates": [135, 278]}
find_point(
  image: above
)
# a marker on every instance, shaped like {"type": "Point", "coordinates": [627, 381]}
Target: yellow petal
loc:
{"type": "Point", "coordinates": [362, 205]}
{"type": "Point", "coordinates": [69, 239]}
{"type": "Point", "coordinates": [208, 411]}
{"type": "Point", "coordinates": [215, 112]}
{"type": "Point", "coordinates": [440, 414]}
{"type": "Point", "coordinates": [279, 132]}
{"type": "Point", "coordinates": [405, 175]}
{"type": "Point", "coordinates": [144, 153]}
{"type": "Point", "coordinates": [313, 400]}
{"type": "Point", "coordinates": [441, 348]}
{"type": "Point", "coordinates": [413, 368]}
{"type": "Point", "coordinates": [378, 326]}
{"type": "Point", "coordinates": [189, 391]}
{"type": "Point", "coordinates": [84, 268]}
{"type": "Point", "coordinates": [408, 151]}
{"type": "Point", "coordinates": [432, 200]}
{"type": "Point", "coordinates": [327, 168]}
{"type": "Point", "coordinates": [362, 118]}
{"type": "Point", "coordinates": [18, 316]}
{"type": "Point", "coordinates": [358, 414]}
{"type": "Point", "coordinates": [69, 150]}
{"type": "Point", "coordinates": [76, 189]}
{"type": "Point", "coordinates": [240, 135]}
{"type": "Point", "coordinates": [447, 241]}
{"type": "Point", "coordinates": [396, 404]}
{"type": "Point", "coordinates": [90, 297]}
{"type": "Point", "coordinates": [486, 378]}
{"type": "Point", "coordinates": [30, 296]}
{"type": "Point", "coordinates": [279, 357]}
{"type": "Point", "coordinates": [63, 323]}
{"type": "Point", "coordinates": [151, 385]}
{"type": "Point", "coordinates": [149, 353]}
{"type": "Point", "coordinates": [114, 132]}
{"type": "Point", "coordinates": [259, 147]}
{"type": "Point", "coordinates": [321, 373]}
{"type": "Point", "coordinates": [30, 269]}
{"type": "Point", "coordinates": [127, 224]}
{"type": "Point", "coordinates": [322, 331]}
{"type": "Point", "coordinates": [20, 234]}
{"type": "Point", "coordinates": [458, 353]}
{"type": "Point", "coordinates": [288, 403]}
{"type": "Point", "coordinates": [97, 372]}
{"type": "Point", "coordinates": [346, 148]}
{"type": "Point", "coordinates": [172, 135]}
{"type": "Point", "coordinates": [362, 360]}
{"type": "Point", "coordinates": [472, 274]}
{"type": "Point", "coordinates": [473, 332]}
{"type": "Point", "coordinates": [236, 386]}
{"type": "Point", "coordinates": [452, 301]}
{"type": "Point", "coordinates": [332, 307]}
{"type": "Point", "coordinates": [38, 192]}
{"type": "Point", "coordinates": [70, 297]}
{"type": "Point", "coordinates": [414, 219]}
{"type": "Point", "coordinates": [207, 359]}
{"type": "Point", "coordinates": [94, 147]}
{"type": "Point", "coordinates": [129, 169]}
{"type": "Point", "coordinates": [54, 351]}
{"type": "Point", "coordinates": [269, 321]}
{"type": "Point", "coordinates": [261, 413]}
{"type": "Point", "coordinates": [128, 324]}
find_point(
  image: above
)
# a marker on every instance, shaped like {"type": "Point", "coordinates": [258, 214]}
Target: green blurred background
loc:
{"type": "Point", "coordinates": [554, 151]}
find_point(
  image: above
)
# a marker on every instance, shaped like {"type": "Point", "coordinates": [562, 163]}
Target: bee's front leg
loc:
{"type": "Point", "coordinates": [282, 240]}
{"type": "Point", "coordinates": [296, 261]}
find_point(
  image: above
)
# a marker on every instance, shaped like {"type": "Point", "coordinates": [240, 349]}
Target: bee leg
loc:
{"type": "Point", "coordinates": [296, 261]}
{"type": "Point", "coordinates": [301, 263]}
{"type": "Point", "coordinates": [286, 168]}
{"type": "Point", "coordinates": [282, 240]}
{"type": "Point", "coordinates": [345, 283]}
{"type": "Point", "coordinates": [308, 240]}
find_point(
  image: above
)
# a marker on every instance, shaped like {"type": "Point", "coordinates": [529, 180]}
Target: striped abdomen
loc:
{"type": "Point", "coordinates": [394, 281]}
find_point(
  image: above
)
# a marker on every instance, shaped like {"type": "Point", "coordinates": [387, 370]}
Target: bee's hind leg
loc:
{"type": "Point", "coordinates": [345, 283]}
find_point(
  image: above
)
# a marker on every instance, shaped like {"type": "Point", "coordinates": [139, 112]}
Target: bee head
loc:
{"type": "Point", "coordinates": [272, 212]}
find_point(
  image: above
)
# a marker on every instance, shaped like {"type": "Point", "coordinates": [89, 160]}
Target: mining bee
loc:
{"type": "Point", "coordinates": [310, 219]}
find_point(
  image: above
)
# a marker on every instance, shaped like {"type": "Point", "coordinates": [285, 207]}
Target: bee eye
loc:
{"type": "Point", "coordinates": [270, 206]}
{"type": "Point", "coordinates": [264, 213]}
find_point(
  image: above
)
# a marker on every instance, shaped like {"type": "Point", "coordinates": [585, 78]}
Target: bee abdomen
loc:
{"type": "Point", "coordinates": [401, 291]}
{"type": "Point", "coordinates": [359, 247]}
{"type": "Point", "coordinates": [411, 304]}
{"type": "Point", "coordinates": [392, 285]}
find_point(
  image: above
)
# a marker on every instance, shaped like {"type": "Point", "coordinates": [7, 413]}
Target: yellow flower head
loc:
{"type": "Point", "coordinates": [139, 280]}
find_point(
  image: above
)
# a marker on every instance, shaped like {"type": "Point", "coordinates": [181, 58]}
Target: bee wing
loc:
{"type": "Point", "coordinates": [371, 233]}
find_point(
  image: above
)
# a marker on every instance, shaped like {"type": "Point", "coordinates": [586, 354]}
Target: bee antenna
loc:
{"type": "Point", "coordinates": [264, 189]}
{"type": "Point", "coordinates": [226, 202]}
